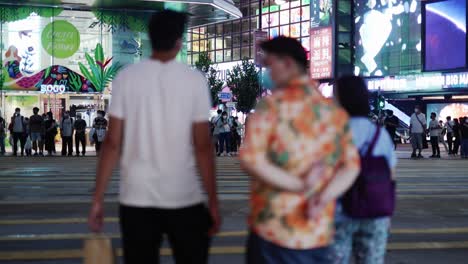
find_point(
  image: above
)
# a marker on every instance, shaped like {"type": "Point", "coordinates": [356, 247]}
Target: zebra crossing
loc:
{"type": "Point", "coordinates": [44, 203]}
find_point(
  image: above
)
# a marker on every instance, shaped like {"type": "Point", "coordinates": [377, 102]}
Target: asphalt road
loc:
{"type": "Point", "coordinates": [44, 204]}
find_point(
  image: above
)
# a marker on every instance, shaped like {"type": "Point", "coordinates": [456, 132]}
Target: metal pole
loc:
{"type": "Point", "coordinates": [260, 12]}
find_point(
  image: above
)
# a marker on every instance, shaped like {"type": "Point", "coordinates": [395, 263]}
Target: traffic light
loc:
{"type": "Point", "coordinates": [380, 102]}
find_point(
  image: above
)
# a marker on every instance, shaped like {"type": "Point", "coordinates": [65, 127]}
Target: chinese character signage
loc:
{"type": "Point", "coordinates": [259, 37]}
{"type": "Point", "coordinates": [321, 53]}
{"type": "Point", "coordinates": [321, 13]}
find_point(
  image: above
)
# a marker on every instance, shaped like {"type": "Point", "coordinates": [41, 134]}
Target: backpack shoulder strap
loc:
{"type": "Point", "coordinates": [373, 142]}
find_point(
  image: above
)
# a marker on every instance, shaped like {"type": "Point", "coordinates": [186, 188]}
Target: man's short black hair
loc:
{"type": "Point", "coordinates": [353, 95]}
{"type": "Point", "coordinates": [449, 118]}
{"type": "Point", "coordinates": [219, 111]}
{"type": "Point", "coordinates": [290, 47]}
{"type": "Point", "coordinates": [433, 114]}
{"type": "Point", "coordinates": [36, 110]}
{"type": "Point", "coordinates": [165, 28]}
{"type": "Point", "coordinates": [17, 109]}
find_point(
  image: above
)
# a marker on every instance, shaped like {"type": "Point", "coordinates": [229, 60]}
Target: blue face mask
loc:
{"type": "Point", "coordinates": [267, 81]}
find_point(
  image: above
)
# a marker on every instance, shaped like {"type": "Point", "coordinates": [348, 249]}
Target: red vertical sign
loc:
{"type": "Point", "coordinates": [321, 53]}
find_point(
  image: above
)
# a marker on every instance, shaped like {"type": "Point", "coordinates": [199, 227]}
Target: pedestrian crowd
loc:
{"type": "Point", "coordinates": [322, 174]}
{"type": "Point", "coordinates": [452, 134]}
{"type": "Point", "coordinates": [36, 135]}
{"type": "Point", "coordinates": [227, 134]}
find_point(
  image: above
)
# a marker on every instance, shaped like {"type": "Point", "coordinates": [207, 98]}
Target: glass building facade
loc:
{"type": "Point", "coordinates": [233, 40]}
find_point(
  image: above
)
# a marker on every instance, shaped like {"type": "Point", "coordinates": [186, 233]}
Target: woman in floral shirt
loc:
{"type": "Point", "coordinates": [299, 153]}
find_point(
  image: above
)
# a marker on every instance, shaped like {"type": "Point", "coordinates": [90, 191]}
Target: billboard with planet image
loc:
{"type": "Point", "coordinates": [445, 35]}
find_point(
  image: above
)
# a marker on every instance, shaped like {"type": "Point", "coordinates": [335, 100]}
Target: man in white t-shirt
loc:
{"type": "Point", "coordinates": [418, 128]}
{"type": "Point", "coordinates": [160, 192]}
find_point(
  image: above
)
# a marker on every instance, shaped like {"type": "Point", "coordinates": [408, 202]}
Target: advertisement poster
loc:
{"type": "Point", "coordinates": [321, 58]}
{"type": "Point", "coordinates": [259, 37]}
{"type": "Point", "coordinates": [321, 13]}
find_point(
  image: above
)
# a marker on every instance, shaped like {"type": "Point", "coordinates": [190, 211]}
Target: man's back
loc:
{"type": "Point", "coordinates": [299, 129]}
{"type": "Point", "coordinates": [159, 102]}
{"type": "Point", "coordinates": [36, 123]}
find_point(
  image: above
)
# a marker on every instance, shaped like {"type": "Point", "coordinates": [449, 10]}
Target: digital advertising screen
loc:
{"type": "Point", "coordinates": [455, 110]}
{"type": "Point", "coordinates": [387, 37]}
{"type": "Point", "coordinates": [321, 13]}
{"type": "Point", "coordinates": [445, 35]}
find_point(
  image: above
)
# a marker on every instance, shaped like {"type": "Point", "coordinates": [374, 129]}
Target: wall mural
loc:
{"type": "Point", "coordinates": [55, 78]}
{"type": "Point", "coordinates": [60, 79]}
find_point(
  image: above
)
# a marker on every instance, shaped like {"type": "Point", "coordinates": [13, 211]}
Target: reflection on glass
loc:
{"type": "Point", "coordinates": [274, 32]}
{"type": "Point", "coordinates": [219, 56]}
{"type": "Point", "coordinates": [305, 29]}
{"type": "Point", "coordinates": [284, 17]}
{"type": "Point", "coordinates": [296, 30]}
{"type": "Point", "coordinates": [295, 15]}
{"type": "Point", "coordinates": [274, 19]}
{"type": "Point", "coordinates": [284, 31]}
{"type": "Point", "coordinates": [236, 54]}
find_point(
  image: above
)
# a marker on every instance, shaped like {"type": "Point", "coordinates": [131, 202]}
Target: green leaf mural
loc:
{"type": "Point", "coordinates": [99, 74]}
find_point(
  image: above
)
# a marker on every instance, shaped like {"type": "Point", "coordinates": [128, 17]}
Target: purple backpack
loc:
{"type": "Point", "coordinates": [373, 193]}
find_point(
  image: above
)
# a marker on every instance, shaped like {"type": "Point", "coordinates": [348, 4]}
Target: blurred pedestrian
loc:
{"type": "Point", "coordinates": [224, 135]}
{"type": "Point", "coordinates": [36, 125]}
{"type": "Point", "coordinates": [216, 130]}
{"type": "Point", "coordinates": [457, 136]}
{"type": "Point", "coordinates": [435, 131]}
{"type": "Point", "coordinates": [297, 169]}
{"type": "Point", "coordinates": [80, 135]}
{"type": "Point", "coordinates": [418, 128]}
{"type": "Point", "coordinates": [363, 235]}
{"type": "Point", "coordinates": [100, 129]}
{"type": "Point", "coordinates": [450, 135]}
{"type": "Point", "coordinates": [66, 132]}
{"type": "Point", "coordinates": [2, 135]}
{"type": "Point", "coordinates": [28, 146]}
{"type": "Point", "coordinates": [159, 153]}
{"type": "Point", "coordinates": [391, 124]}
{"type": "Point", "coordinates": [50, 133]}
{"type": "Point", "coordinates": [443, 133]}
{"type": "Point", "coordinates": [17, 128]}
{"type": "Point", "coordinates": [464, 137]}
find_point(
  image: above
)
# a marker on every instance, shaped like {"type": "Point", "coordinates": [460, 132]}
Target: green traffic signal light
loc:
{"type": "Point", "coordinates": [381, 103]}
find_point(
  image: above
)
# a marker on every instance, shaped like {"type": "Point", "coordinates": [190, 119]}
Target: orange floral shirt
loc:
{"type": "Point", "coordinates": [295, 128]}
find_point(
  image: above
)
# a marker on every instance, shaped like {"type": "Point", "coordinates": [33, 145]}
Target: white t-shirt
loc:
{"type": "Point", "coordinates": [449, 125]}
{"type": "Point", "coordinates": [434, 128]}
{"type": "Point", "coordinates": [416, 125]}
{"type": "Point", "coordinates": [159, 102]}
{"type": "Point", "coordinates": [364, 130]}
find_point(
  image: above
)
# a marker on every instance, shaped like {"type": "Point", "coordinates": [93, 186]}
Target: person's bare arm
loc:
{"type": "Point", "coordinates": [271, 174]}
{"type": "Point", "coordinates": [110, 156]}
{"type": "Point", "coordinates": [254, 159]}
{"type": "Point", "coordinates": [206, 164]}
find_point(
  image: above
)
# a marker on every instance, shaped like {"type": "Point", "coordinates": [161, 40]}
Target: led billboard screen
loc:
{"type": "Point", "coordinates": [445, 35]}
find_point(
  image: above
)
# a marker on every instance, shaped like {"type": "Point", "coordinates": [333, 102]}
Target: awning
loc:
{"type": "Point", "coordinates": [202, 11]}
